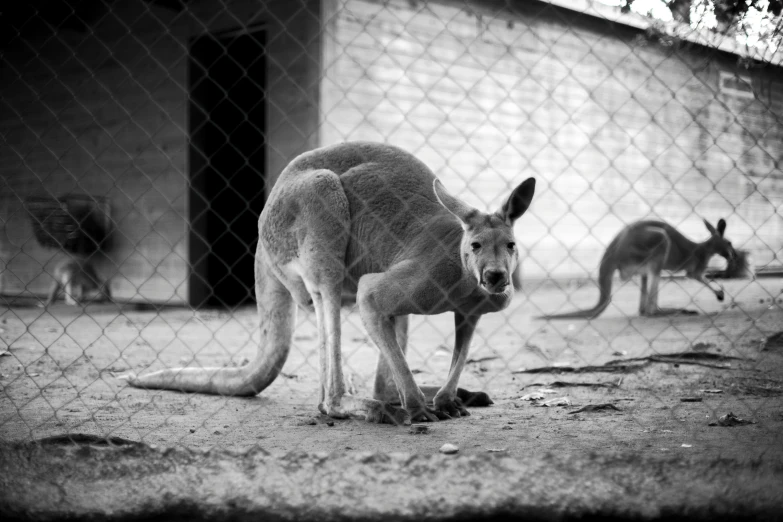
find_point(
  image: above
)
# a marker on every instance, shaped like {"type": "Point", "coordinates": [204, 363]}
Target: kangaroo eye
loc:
{"type": "Point", "coordinates": [475, 246]}
{"type": "Point", "coordinates": [511, 245]}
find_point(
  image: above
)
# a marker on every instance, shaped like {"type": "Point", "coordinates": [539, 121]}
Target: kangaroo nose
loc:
{"type": "Point", "coordinates": [495, 278]}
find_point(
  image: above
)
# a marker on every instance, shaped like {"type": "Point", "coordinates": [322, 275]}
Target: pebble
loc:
{"type": "Point", "coordinates": [449, 449]}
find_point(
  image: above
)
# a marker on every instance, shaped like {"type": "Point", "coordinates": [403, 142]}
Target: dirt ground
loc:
{"type": "Point", "coordinates": [58, 376]}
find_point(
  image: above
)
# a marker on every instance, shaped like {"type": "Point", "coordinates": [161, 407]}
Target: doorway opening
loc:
{"type": "Point", "coordinates": [227, 156]}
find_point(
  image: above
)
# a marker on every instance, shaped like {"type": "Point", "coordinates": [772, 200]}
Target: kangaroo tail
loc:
{"type": "Point", "coordinates": [605, 274]}
{"type": "Point", "coordinates": [277, 313]}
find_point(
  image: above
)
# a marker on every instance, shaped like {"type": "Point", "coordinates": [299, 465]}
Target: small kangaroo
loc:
{"type": "Point", "coordinates": [81, 283]}
{"type": "Point", "coordinates": [371, 220]}
{"type": "Point", "coordinates": [646, 248]}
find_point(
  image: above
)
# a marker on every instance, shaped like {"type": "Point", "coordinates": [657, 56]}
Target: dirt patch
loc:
{"type": "Point", "coordinates": [59, 377]}
{"type": "Point", "coordinates": [85, 481]}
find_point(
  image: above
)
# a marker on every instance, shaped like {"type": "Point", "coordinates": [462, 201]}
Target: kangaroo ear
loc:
{"type": "Point", "coordinates": [454, 205]}
{"type": "Point", "coordinates": [721, 227]}
{"type": "Point", "coordinates": [710, 227]}
{"type": "Point", "coordinates": [518, 202]}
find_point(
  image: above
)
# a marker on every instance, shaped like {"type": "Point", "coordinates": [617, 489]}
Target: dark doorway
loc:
{"type": "Point", "coordinates": [227, 81]}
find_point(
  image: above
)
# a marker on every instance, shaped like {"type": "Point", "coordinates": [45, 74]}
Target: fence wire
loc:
{"type": "Point", "coordinates": [141, 141]}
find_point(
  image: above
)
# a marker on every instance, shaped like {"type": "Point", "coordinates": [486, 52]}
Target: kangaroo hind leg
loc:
{"type": "Point", "coordinates": [335, 401]}
{"type": "Point", "coordinates": [73, 292]}
{"type": "Point", "coordinates": [644, 299]}
{"type": "Point", "coordinates": [652, 308]}
{"type": "Point", "coordinates": [322, 236]}
{"type": "Point", "coordinates": [656, 260]}
{"type": "Point", "coordinates": [382, 298]}
{"type": "Point", "coordinates": [53, 291]}
{"type": "Point", "coordinates": [386, 390]}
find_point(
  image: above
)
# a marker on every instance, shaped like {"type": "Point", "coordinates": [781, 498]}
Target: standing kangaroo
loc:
{"type": "Point", "coordinates": [646, 248]}
{"type": "Point", "coordinates": [373, 220]}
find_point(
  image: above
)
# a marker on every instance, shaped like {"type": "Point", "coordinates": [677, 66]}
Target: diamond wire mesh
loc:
{"type": "Point", "coordinates": [180, 115]}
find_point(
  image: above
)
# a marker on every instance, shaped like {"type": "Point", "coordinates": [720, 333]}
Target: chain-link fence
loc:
{"type": "Point", "coordinates": [142, 140]}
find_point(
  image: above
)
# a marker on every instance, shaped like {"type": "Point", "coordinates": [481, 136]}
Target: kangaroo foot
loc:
{"type": "Point", "coordinates": [385, 413]}
{"type": "Point", "coordinates": [427, 414]}
{"type": "Point", "coordinates": [474, 399]}
{"type": "Point", "coordinates": [376, 412]}
{"type": "Point", "coordinates": [451, 407]}
{"type": "Point", "coordinates": [679, 311]}
{"type": "Point", "coordinates": [664, 312]}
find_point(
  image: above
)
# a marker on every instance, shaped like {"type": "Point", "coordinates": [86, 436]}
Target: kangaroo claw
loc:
{"type": "Point", "coordinates": [425, 414]}
{"type": "Point", "coordinates": [453, 408]}
{"type": "Point", "coordinates": [388, 414]}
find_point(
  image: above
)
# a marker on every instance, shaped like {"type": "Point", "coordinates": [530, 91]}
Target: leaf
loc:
{"type": "Point", "coordinates": [596, 407]}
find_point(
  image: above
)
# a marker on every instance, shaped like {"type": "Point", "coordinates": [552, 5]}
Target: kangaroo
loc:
{"type": "Point", "coordinates": [646, 248]}
{"type": "Point", "coordinates": [371, 220]}
{"type": "Point", "coordinates": [81, 283]}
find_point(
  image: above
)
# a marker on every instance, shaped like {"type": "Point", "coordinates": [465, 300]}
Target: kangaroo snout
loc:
{"type": "Point", "coordinates": [730, 255]}
{"type": "Point", "coordinates": [495, 280]}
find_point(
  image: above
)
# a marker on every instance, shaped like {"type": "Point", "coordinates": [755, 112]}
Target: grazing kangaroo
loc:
{"type": "Point", "coordinates": [646, 248]}
{"type": "Point", "coordinates": [374, 221]}
{"type": "Point", "coordinates": [81, 283]}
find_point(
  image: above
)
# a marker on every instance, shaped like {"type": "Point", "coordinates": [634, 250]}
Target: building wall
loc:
{"type": "Point", "coordinates": [613, 126]}
{"type": "Point", "coordinates": [104, 113]}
